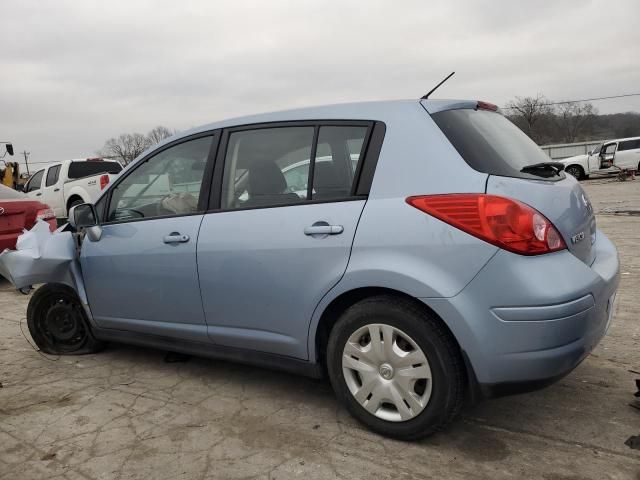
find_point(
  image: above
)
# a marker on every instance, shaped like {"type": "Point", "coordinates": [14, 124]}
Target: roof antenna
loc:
{"type": "Point", "coordinates": [437, 86]}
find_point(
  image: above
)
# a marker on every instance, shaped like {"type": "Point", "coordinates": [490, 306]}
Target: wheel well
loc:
{"type": "Point", "coordinates": [72, 199]}
{"type": "Point", "coordinates": [341, 303]}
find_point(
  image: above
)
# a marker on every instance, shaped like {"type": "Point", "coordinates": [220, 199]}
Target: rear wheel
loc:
{"type": "Point", "coordinates": [395, 368]}
{"type": "Point", "coordinates": [575, 171]}
{"type": "Point", "coordinates": [73, 203]}
{"type": "Point", "coordinates": [57, 322]}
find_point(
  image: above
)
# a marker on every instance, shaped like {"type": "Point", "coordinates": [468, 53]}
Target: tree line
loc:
{"type": "Point", "coordinates": [549, 122]}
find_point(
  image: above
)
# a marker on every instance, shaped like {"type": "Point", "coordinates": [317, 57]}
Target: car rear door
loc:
{"type": "Point", "coordinates": [141, 275]}
{"type": "Point", "coordinates": [628, 154]}
{"type": "Point", "coordinates": [272, 245]}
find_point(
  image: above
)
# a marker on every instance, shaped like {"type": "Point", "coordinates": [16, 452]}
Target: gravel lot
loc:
{"type": "Point", "coordinates": [125, 413]}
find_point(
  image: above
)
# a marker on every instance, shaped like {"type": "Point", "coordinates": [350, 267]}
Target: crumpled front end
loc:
{"type": "Point", "coordinates": [44, 257]}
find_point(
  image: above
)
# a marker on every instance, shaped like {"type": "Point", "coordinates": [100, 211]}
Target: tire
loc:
{"type": "Point", "coordinates": [58, 324]}
{"type": "Point", "coordinates": [404, 412]}
{"type": "Point", "coordinates": [77, 201]}
{"type": "Point", "coordinates": [575, 171]}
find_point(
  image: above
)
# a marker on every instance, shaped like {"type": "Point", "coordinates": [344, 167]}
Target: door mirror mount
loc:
{"type": "Point", "coordinates": [94, 233]}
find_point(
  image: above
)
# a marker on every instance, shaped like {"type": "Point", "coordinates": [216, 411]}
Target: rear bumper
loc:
{"type": "Point", "coordinates": [525, 322]}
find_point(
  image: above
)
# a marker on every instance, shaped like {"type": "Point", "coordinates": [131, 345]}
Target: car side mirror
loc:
{"type": "Point", "coordinates": [9, 149]}
{"type": "Point", "coordinates": [84, 216]}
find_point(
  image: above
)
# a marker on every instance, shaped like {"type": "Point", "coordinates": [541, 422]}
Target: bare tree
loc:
{"type": "Point", "coordinates": [125, 147]}
{"type": "Point", "coordinates": [574, 119]}
{"type": "Point", "coordinates": [158, 134]}
{"type": "Point", "coordinates": [128, 146]}
{"type": "Point", "coordinates": [526, 113]}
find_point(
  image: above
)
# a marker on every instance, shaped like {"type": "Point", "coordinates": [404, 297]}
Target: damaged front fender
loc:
{"type": "Point", "coordinates": [45, 257]}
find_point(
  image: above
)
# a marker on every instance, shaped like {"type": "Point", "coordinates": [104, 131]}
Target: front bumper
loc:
{"type": "Point", "coordinates": [524, 322]}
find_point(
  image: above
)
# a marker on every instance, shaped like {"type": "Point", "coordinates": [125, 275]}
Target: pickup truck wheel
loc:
{"type": "Point", "coordinates": [57, 322]}
{"type": "Point", "coordinates": [575, 171]}
{"type": "Point", "coordinates": [77, 201]}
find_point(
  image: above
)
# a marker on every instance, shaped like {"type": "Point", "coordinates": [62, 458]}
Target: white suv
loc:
{"type": "Point", "coordinates": [611, 156]}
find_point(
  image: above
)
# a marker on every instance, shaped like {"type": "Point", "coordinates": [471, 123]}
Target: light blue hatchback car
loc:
{"type": "Point", "coordinates": [434, 254]}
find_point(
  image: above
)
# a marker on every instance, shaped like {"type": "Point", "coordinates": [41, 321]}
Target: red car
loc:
{"type": "Point", "coordinates": [18, 212]}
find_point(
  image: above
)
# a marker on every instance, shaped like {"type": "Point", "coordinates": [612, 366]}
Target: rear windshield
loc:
{"type": "Point", "coordinates": [86, 169]}
{"type": "Point", "coordinates": [489, 142]}
{"type": "Point", "coordinates": [7, 193]}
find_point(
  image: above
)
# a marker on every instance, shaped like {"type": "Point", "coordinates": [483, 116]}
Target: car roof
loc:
{"type": "Point", "coordinates": [621, 139]}
{"type": "Point", "coordinates": [377, 110]}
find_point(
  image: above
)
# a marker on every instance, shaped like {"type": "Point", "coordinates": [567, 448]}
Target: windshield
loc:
{"type": "Point", "coordinates": [489, 142]}
{"type": "Point", "coordinates": [596, 150]}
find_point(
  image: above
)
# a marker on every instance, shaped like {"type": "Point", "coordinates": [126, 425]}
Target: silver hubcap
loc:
{"type": "Point", "coordinates": [387, 372]}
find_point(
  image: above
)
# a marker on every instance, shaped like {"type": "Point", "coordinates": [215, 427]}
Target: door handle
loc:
{"type": "Point", "coordinates": [323, 229]}
{"type": "Point", "coordinates": [175, 237]}
{"type": "Point", "coordinates": [38, 194]}
{"type": "Point", "coordinates": [56, 189]}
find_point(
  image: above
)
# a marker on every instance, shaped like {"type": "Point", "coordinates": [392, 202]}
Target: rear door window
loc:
{"type": "Point", "coordinates": [490, 143]}
{"type": "Point", "coordinates": [292, 164]}
{"type": "Point", "coordinates": [628, 145]}
{"type": "Point", "coordinates": [89, 168]}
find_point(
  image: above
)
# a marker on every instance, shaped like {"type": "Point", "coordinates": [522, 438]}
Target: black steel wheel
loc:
{"type": "Point", "coordinates": [57, 322]}
{"type": "Point", "coordinates": [575, 171]}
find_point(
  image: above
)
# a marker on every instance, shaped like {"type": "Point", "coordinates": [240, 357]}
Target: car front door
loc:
{"type": "Point", "coordinates": [33, 186]}
{"type": "Point", "coordinates": [141, 275]}
{"type": "Point", "coordinates": [275, 244]}
{"type": "Point", "coordinates": [52, 191]}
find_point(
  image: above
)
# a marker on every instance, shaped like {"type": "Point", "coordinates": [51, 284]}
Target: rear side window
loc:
{"type": "Point", "coordinates": [489, 142]}
{"type": "Point", "coordinates": [290, 165]}
{"type": "Point", "coordinates": [52, 175]}
{"type": "Point", "coordinates": [86, 169]}
{"type": "Point", "coordinates": [628, 145]}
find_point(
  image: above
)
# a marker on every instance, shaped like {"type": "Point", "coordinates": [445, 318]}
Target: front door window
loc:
{"type": "Point", "coordinates": [166, 184]}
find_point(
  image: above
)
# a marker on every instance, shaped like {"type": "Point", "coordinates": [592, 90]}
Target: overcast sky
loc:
{"type": "Point", "coordinates": [74, 73]}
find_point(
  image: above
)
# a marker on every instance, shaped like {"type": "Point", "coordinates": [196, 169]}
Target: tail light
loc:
{"type": "Point", "coordinates": [45, 214]}
{"type": "Point", "coordinates": [486, 106]}
{"type": "Point", "coordinates": [104, 180]}
{"type": "Point", "coordinates": [504, 222]}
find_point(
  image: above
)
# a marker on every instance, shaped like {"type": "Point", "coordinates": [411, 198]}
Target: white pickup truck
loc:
{"type": "Point", "coordinates": [612, 156]}
{"type": "Point", "coordinates": [71, 182]}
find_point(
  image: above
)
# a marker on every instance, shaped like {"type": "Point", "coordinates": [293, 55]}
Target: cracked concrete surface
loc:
{"type": "Point", "coordinates": [126, 414]}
